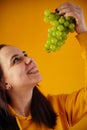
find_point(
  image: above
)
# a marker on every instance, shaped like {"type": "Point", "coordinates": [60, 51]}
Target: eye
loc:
{"type": "Point", "coordinates": [16, 60]}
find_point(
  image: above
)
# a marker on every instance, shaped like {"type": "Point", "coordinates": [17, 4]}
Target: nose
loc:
{"type": "Point", "coordinates": [28, 60]}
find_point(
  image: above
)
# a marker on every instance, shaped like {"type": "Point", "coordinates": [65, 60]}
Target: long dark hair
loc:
{"type": "Point", "coordinates": [41, 109]}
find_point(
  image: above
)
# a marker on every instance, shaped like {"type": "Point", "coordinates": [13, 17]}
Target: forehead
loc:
{"type": "Point", "coordinates": [7, 52]}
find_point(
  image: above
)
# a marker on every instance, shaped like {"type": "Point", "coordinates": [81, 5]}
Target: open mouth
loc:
{"type": "Point", "coordinates": [33, 70]}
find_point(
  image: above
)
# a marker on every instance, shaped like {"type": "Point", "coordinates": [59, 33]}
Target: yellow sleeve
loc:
{"type": "Point", "coordinates": [76, 106]}
{"type": "Point", "coordinates": [82, 38]}
{"type": "Point", "coordinates": [70, 107]}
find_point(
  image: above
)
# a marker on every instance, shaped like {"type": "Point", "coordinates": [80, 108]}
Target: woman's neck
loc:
{"type": "Point", "coordinates": [20, 102]}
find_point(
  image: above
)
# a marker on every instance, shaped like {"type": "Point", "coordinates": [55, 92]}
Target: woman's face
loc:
{"type": "Point", "coordinates": [19, 70]}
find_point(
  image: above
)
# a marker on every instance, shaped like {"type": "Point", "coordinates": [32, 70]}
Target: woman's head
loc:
{"type": "Point", "coordinates": [20, 71]}
{"type": "Point", "coordinates": [17, 69]}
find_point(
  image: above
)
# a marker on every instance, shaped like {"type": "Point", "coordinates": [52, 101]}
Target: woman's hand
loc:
{"type": "Point", "coordinates": [70, 9]}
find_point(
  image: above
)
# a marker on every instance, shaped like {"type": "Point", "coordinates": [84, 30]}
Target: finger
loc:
{"type": "Point", "coordinates": [68, 5]}
{"type": "Point", "coordinates": [69, 10]}
{"type": "Point", "coordinates": [73, 15]}
{"type": "Point", "coordinates": [65, 10]}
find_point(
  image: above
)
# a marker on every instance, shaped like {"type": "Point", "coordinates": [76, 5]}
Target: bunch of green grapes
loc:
{"type": "Point", "coordinates": [57, 33]}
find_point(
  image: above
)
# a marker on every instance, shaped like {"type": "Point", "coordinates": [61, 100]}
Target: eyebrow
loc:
{"type": "Point", "coordinates": [23, 51]}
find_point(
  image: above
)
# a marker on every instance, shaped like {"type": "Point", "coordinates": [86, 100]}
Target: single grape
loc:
{"type": "Point", "coordinates": [49, 30]}
{"type": "Point", "coordinates": [60, 27]}
{"type": "Point", "coordinates": [67, 18]}
{"type": "Point", "coordinates": [50, 35]}
{"type": "Point", "coordinates": [47, 12]}
{"type": "Point", "coordinates": [60, 38]}
{"type": "Point", "coordinates": [53, 28]}
{"type": "Point", "coordinates": [53, 40]}
{"type": "Point", "coordinates": [54, 33]}
{"type": "Point", "coordinates": [52, 47]}
{"type": "Point", "coordinates": [60, 43]}
{"type": "Point", "coordinates": [48, 42]}
{"type": "Point", "coordinates": [55, 23]}
{"type": "Point", "coordinates": [64, 35]}
{"type": "Point", "coordinates": [72, 26]}
{"type": "Point", "coordinates": [61, 20]}
{"type": "Point", "coordinates": [66, 23]}
{"type": "Point", "coordinates": [46, 19]}
{"type": "Point", "coordinates": [51, 17]}
{"type": "Point", "coordinates": [56, 16]}
{"type": "Point", "coordinates": [58, 33]}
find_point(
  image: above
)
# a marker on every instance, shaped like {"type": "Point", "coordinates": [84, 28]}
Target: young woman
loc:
{"type": "Point", "coordinates": [22, 105]}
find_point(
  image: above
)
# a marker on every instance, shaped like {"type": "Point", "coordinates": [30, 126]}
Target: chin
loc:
{"type": "Point", "coordinates": [36, 81]}
{"type": "Point", "coordinates": [39, 79]}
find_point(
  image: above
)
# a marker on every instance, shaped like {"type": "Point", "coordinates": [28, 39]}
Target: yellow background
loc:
{"type": "Point", "coordinates": [21, 24]}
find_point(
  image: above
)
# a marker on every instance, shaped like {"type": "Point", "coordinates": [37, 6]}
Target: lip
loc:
{"type": "Point", "coordinates": [33, 70]}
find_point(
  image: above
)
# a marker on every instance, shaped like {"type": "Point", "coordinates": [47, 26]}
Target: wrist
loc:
{"type": "Point", "coordinates": [82, 30]}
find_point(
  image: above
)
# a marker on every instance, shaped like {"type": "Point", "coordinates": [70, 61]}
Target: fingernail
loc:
{"type": "Point", "coordinates": [56, 10]}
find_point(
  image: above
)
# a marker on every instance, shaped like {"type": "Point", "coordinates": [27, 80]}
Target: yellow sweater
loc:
{"type": "Point", "coordinates": [69, 107]}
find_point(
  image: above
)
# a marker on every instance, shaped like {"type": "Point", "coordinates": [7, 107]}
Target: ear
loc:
{"type": "Point", "coordinates": [7, 86]}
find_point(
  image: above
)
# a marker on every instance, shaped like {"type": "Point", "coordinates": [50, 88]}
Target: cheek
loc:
{"type": "Point", "coordinates": [16, 75]}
